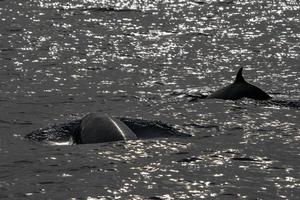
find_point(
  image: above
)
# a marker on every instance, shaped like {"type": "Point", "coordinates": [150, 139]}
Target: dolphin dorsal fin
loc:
{"type": "Point", "coordinates": [239, 76]}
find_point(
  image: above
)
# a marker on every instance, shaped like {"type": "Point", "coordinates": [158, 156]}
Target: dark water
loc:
{"type": "Point", "coordinates": [60, 60]}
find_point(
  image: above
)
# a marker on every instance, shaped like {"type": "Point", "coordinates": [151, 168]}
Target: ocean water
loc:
{"type": "Point", "coordinates": [62, 59]}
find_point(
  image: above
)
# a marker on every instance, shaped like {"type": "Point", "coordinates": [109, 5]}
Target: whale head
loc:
{"type": "Point", "coordinates": [98, 128]}
{"type": "Point", "coordinates": [240, 89]}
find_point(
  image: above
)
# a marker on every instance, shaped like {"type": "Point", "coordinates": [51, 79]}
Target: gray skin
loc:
{"type": "Point", "coordinates": [97, 128]}
{"type": "Point", "coordinates": [239, 89]}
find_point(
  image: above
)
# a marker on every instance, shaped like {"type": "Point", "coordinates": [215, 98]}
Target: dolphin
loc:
{"type": "Point", "coordinates": [239, 89]}
{"type": "Point", "coordinates": [98, 128]}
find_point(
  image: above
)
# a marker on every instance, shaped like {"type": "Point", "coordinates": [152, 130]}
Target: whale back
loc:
{"type": "Point", "coordinates": [97, 128]}
{"type": "Point", "coordinates": [240, 89]}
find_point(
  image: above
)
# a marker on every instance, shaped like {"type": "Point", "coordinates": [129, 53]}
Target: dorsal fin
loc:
{"type": "Point", "coordinates": [239, 76]}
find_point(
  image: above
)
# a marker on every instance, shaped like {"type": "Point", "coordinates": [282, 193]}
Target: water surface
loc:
{"type": "Point", "coordinates": [60, 60]}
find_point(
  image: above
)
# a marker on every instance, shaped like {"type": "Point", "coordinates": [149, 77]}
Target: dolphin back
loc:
{"type": "Point", "coordinates": [240, 89]}
{"type": "Point", "coordinates": [236, 91]}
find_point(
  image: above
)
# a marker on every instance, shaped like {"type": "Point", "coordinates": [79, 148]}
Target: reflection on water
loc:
{"type": "Point", "coordinates": [158, 60]}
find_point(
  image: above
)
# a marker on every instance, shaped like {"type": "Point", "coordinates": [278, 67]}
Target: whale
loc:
{"type": "Point", "coordinates": [98, 128]}
{"type": "Point", "coordinates": [239, 89]}
{"type": "Point", "coordinates": [102, 128]}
